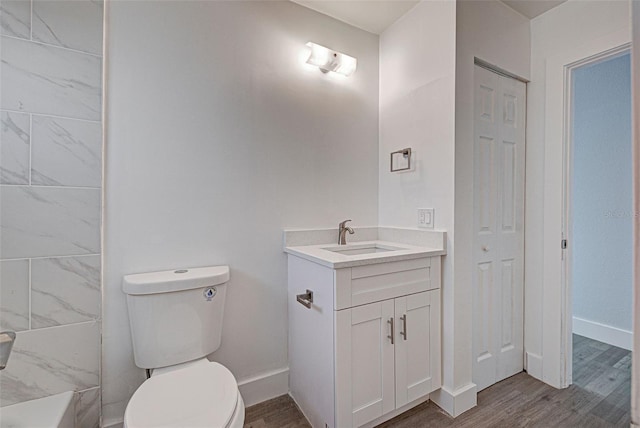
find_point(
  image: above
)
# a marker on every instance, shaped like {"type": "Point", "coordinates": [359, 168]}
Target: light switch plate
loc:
{"type": "Point", "coordinates": [425, 218]}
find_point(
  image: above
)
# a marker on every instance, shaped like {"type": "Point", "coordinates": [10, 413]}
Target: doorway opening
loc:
{"type": "Point", "coordinates": [598, 262]}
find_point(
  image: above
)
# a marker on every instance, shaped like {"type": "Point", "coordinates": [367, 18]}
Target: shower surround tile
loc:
{"type": "Point", "coordinates": [50, 171]}
{"type": "Point", "coordinates": [14, 295]}
{"type": "Point", "coordinates": [53, 360]}
{"type": "Point", "coordinates": [46, 222]}
{"type": "Point", "coordinates": [71, 24]}
{"type": "Point", "coordinates": [14, 148]}
{"type": "Point", "coordinates": [46, 79]}
{"type": "Point", "coordinates": [64, 290]}
{"type": "Point", "coordinates": [88, 409]}
{"type": "Point", "coordinates": [15, 18]}
{"type": "Point", "coordinates": [66, 152]}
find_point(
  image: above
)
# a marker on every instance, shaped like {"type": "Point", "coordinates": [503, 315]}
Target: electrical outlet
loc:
{"type": "Point", "coordinates": [425, 218]}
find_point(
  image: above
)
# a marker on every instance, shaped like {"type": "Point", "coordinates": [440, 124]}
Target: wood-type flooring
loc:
{"type": "Point", "coordinates": [599, 397]}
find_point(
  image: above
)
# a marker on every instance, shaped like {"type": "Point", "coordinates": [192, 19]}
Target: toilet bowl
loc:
{"type": "Point", "coordinates": [176, 321]}
{"type": "Point", "coordinates": [201, 394]}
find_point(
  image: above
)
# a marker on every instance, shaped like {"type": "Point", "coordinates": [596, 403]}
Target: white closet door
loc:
{"type": "Point", "coordinates": [498, 248]}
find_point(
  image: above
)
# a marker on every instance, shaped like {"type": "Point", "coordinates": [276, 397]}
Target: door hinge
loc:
{"type": "Point", "coordinates": [563, 244]}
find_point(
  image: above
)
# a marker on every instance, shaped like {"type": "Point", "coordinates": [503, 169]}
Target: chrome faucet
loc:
{"type": "Point", "coordinates": [7, 338]}
{"type": "Point", "coordinates": [342, 232]}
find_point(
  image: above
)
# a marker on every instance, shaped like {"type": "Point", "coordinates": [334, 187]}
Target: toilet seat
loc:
{"type": "Point", "coordinates": [201, 395]}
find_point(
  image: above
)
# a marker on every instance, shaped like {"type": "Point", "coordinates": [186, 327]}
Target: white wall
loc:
{"type": "Point", "coordinates": [218, 137]}
{"type": "Point", "coordinates": [417, 90]}
{"type": "Point", "coordinates": [602, 200]}
{"type": "Point", "coordinates": [494, 33]}
{"type": "Point", "coordinates": [417, 61]}
{"type": "Point", "coordinates": [570, 25]}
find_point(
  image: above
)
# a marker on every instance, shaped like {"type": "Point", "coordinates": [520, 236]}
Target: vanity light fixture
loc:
{"type": "Point", "coordinates": [328, 60]}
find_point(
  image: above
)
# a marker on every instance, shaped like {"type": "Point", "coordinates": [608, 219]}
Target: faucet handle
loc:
{"type": "Point", "coordinates": [342, 224]}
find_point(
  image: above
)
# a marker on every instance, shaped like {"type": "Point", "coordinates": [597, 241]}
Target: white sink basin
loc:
{"type": "Point", "coordinates": [355, 250]}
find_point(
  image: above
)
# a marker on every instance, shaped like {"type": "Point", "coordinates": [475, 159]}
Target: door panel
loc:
{"type": "Point", "coordinates": [486, 185]}
{"type": "Point", "coordinates": [508, 324]}
{"type": "Point", "coordinates": [508, 194]}
{"type": "Point", "coordinates": [484, 363]}
{"type": "Point", "coordinates": [498, 247]}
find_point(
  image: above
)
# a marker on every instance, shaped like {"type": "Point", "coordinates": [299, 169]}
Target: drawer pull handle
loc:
{"type": "Point", "coordinates": [404, 326]}
{"type": "Point", "coordinates": [305, 299]}
{"type": "Point", "coordinates": [392, 336]}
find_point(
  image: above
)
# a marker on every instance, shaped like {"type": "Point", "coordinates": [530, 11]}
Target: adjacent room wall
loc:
{"type": "Point", "coordinates": [218, 137]}
{"type": "Point", "coordinates": [602, 201]}
{"type": "Point", "coordinates": [635, 58]}
{"type": "Point", "coordinates": [570, 25]}
{"type": "Point", "coordinates": [496, 34]}
{"type": "Point", "coordinates": [50, 180]}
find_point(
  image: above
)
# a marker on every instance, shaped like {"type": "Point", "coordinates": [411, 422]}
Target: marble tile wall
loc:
{"type": "Point", "coordinates": [50, 199]}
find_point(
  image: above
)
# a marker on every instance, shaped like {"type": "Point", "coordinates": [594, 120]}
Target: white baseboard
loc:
{"type": "Point", "coordinates": [113, 414]}
{"type": "Point", "coordinates": [457, 402]}
{"type": "Point", "coordinates": [603, 333]}
{"type": "Point", "coordinates": [264, 386]}
{"type": "Point", "coordinates": [534, 365]}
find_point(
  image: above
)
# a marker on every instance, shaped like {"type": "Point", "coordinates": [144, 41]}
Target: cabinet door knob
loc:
{"type": "Point", "coordinates": [485, 248]}
{"type": "Point", "coordinates": [392, 336]}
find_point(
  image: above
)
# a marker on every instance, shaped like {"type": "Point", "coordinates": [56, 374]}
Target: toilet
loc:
{"type": "Point", "coordinates": [176, 321]}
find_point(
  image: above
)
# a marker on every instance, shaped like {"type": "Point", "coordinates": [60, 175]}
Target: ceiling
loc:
{"type": "Point", "coordinates": [375, 16]}
{"type": "Point", "coordinates": [372, 16]}
{"type": "Point", "coordinates": [532, 8]}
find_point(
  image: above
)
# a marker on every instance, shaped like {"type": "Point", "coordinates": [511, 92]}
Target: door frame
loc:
{"type": "Point", "coordinates": [557, 323]}
{"type": "Point", "coordinates": [567, 218]}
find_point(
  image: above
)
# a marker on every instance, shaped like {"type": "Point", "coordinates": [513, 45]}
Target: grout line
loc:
{"type": "Point", "coordinates": [30, 146]}
{"type": "Point", "coordinates": [88, 389]}
{"type": "Point", "coordinates": [49, 45]}
{"type": "Point", "coordinates": [93, 321]}
{"type": "Point", "coordinates": [40, 186]}
{"type": "Point", "coordinates": [31, 20]}
{"type": "Point", "coordinates": [49, 257]}
{"type": "Point", "coordinates": [30, 317]}
{"type": "Point", "coordinates": [51, 115]}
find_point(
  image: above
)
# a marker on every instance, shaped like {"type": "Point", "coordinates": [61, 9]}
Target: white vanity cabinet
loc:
{"type": "Point", "coordinates": [368, 348]}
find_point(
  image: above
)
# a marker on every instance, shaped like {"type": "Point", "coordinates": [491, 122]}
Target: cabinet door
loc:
{"type": "Point", "coordinates": [417, 350]}
{"type": "Point", "coordinates": [364, 363]}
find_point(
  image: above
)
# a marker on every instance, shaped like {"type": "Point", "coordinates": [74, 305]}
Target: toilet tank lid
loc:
{"type": "Point", "coordinates": [175, 280]}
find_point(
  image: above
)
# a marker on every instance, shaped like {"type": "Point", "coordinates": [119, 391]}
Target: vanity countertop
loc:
{"type": "Point", "coordinates": [337, 256]}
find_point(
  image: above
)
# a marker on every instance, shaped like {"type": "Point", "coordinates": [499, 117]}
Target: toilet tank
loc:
{"type": "Point", "coordinates": [175, 316]}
